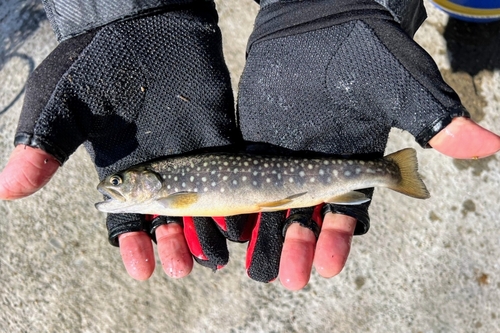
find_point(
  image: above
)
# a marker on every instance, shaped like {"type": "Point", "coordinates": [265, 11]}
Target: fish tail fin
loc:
{"type": "Point", "coordinates": [410, 182]}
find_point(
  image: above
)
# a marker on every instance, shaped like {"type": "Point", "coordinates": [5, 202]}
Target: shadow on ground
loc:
{"type": "Point", "coordinates": [19, 19]}
{"type": "Point", "coordinates": [473, 47]}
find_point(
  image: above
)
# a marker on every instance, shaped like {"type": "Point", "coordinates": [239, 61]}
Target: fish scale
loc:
{"type": "Point", "coordinates": [228, 184]}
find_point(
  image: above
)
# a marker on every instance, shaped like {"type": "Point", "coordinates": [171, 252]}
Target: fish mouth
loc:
{"type": "Point", "coordinates": [113, 200]}
{"type": "Point", "coordinates": [110, 194]}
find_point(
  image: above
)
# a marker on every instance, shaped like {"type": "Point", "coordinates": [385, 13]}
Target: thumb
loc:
{"type": "Point", "coordinates": [27, 170]}
{"type": "Point", "coordinates": [463, 138]}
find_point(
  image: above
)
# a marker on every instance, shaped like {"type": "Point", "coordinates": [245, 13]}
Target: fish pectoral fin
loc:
{"type": "Point", "coordinates": [179, 200]}
{"type": "Point", "coordinates": [281, 202]}
{"type": "Point", "coordinates": [349, 198]}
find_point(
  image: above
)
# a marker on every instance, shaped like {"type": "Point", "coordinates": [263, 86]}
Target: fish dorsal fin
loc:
{"type": "Point", "coordinates": [281, 202]}
{"type": "Point", "coordinates": [179, 200]}
{"type": "Point", "coordinates": [349, 198]}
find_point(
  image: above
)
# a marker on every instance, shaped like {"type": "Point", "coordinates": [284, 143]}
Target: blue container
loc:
{"type": "Point", "coordinates": [471, 10]}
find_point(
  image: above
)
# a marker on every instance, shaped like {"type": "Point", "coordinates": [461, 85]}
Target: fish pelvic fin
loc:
{"type": "Point", "coordinates": [410, 182]}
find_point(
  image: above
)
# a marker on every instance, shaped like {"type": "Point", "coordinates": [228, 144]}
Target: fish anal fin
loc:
{"type": "Point", "coordinates": [349, 198]}
{"type": "Point", "coordinates": [272, 204]}
{"type": "Point", "coordinates": [281, 202]}
{"type": "Point", "coordinates": [179, 200]}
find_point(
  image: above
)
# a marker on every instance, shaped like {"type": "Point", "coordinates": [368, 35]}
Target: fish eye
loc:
{"type": "Point", "coordinates": [115, 180]}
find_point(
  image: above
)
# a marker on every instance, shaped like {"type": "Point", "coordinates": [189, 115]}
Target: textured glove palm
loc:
{"type": "Point", "coordinates": [132, 91]}
{"type": "Point", "coordinates": [335, 77]}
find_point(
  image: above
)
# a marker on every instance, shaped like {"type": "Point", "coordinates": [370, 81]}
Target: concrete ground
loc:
{"type": "Point", "coordinates": [425, 266]}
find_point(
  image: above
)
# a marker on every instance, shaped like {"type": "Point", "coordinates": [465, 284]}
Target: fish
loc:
{"type": "Point", "coordinates": [226, 184]}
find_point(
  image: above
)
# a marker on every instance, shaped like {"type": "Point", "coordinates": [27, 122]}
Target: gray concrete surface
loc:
{"type": "Point", "coordinates": [425, 266]}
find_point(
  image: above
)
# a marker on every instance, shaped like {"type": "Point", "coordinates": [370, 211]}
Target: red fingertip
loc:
{"type": "Point", "coordinates": [192, 239]}
{"type": "Point", "coordinates": [221, 221]}
{"type": "Point", "coordinates": [253, 239]}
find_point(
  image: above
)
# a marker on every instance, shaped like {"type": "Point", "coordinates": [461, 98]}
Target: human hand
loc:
{"type": "Point", "coordinates": [335, 79]}
{"type": "Point", "coordinates": [131, 91]}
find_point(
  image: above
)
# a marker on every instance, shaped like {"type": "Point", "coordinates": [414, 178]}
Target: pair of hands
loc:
{"type": "Point", "coordinates": [90, 96]}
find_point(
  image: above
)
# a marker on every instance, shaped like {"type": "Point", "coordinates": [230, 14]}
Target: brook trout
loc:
{"type": "Point", "coordinates": [230, 184]}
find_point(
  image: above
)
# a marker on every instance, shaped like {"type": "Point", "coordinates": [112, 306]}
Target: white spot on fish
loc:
{"type": "Point", "coordinates": [350, 162]}
{"type": "Point", "coordinates": [175, 178]}
{"type": "Point", "coordinates": [183, 184]}
{"type": "Point", "coordinates": [245, 163]}
{"type": "Point", "coordinates": [235, 170]}
{"type": "Point", "coordinates": [255, 162]}
{"type": "Point", "coordinates": [191, 179]}
{"type": "Point", "coordinates": [310, 167]}
{"type": "Point", "coordinates": [205, 189]}
{"type": "Point", "coordinates": [222, 189]}
{"type": "Point", "coordinates": [290, 179]}
{"type": "Point", "coordinates": [362, 162]}
{"type": "Point", "coordinates": [203, 179]}
{"type": "Point", "coordinates": [244, 178]}
{"type": "Point", "coordinates": [254, 183]}
{"type": "Point", "coordinates": [312, 180]}
{"type": "Point", "coordinates": [164, 176]}
{"type": "Point", "coordinates": [321, 172]}
{"type": "Point", "coordinates": [292, 169]}
{"type": "Point", "coordinates": [214, 184]}
{"type": "Point", "coordinates": [255, 173]}
{"type": "Point", "coordinates": [225, 178]}
{"type": "Point", "coordinates": [358, 170]}
{"type": "Point", "coordinates": [169, 187]}
{"type": "Point", "coordinates": [266, 165]}
{"type": "Point", "coordinates": [347, 173]}
{"type": "Point", "coordinates": [335, 173]}
{"type": "Point", "coordinates": [235, 182]}
{"type": "Point", "coordinates": [302, 174]}
{"type": "Point", "coordinates": [326, 162]}
{"type": "Point", "coordinates": [268, 180]}
{"type": "Point", "coordinates": [279, 176]}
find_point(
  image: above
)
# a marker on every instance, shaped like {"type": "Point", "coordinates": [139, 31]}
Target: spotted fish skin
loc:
{"type": "Point", "coordinates": [230, 184]}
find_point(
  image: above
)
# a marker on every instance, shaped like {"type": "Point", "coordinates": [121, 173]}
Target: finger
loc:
{"type": "Point", "coordinates": [463, 138]}
{"type": "Point", "coordinates": [173, 250]}
{"type": "Point", "coordinates": [27, 170]}
{"type": "Point", "coordinates": [297, 257]}
{"type": "Point", "coordinates": [137, 253]}
{"type": "Point", "coordinates": [334, 244]}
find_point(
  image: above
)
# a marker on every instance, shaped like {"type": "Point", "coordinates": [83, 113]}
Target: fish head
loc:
{"type": "Point", "coordinates": [125, 190]}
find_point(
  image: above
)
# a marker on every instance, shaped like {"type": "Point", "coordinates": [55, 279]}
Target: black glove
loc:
{"type": "Point", "coordinates": [333, 77]}
{"type": "Point", "coordinates": [131, 91]}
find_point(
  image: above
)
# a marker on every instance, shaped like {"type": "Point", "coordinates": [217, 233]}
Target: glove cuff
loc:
{"type": "Point", "coordinates": [71, 18]}
{"type": "Point", "coordinates": [428, 133]}
{"type": "Point", "coordinates": [360, 213]}
{"type": "Point", "coordinates": [118, 224]}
